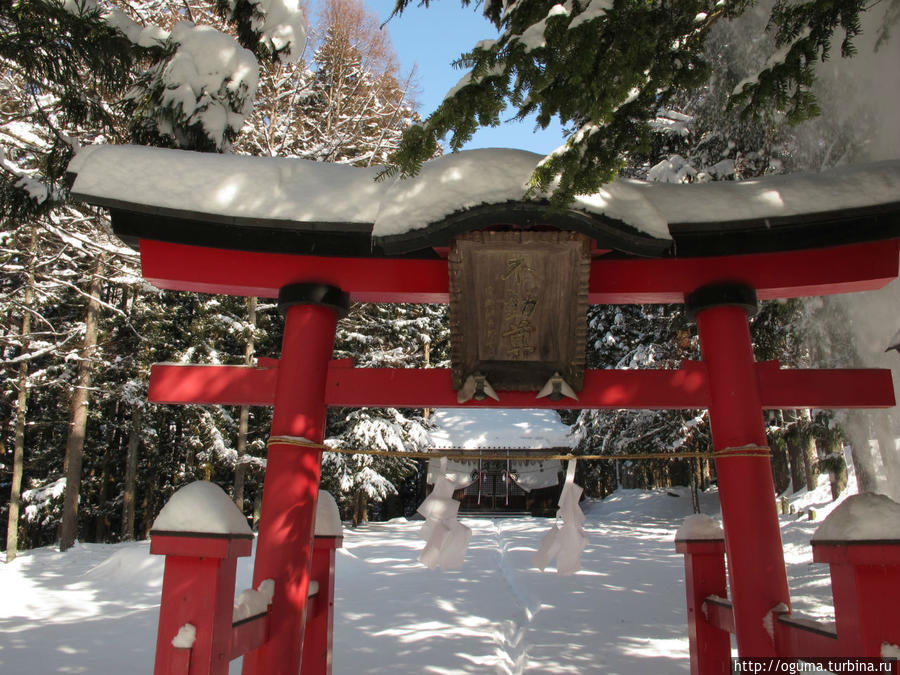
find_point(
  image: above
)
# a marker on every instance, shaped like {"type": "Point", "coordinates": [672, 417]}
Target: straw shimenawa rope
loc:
{"type": "Point", "coordinates": [750, 450]}
{"type": "Point", "coordinates": [744, 451]}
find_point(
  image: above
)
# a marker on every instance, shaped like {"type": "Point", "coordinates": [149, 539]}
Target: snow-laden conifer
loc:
{"type": "Point", "coordinates": [605, 69]}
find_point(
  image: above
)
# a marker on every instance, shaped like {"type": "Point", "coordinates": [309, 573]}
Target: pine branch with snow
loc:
{"type": "Point", "coordinates": [198, 96]}
{"type": "Point", "coordinates": [272, 29]}
{"type": "Point", "coordinates": [605, 69]}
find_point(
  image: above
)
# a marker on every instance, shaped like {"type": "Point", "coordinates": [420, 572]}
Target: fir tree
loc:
{"type": "Point", "coordinates": [698, 138]}
{"type": "Point", "coordinates": [381, 336]}
{"type": "Point", "coordinates": [606, 69]}
{"type": "Point", "coordinates": [67, 69]}
{"type": "Point", "coordinates": [60, 61]}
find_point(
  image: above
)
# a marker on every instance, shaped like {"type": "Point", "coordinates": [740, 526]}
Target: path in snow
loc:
{"type": "Point", "coordinates": [499, 614]}
{"type": "Point", "coordinates": [94, 609]}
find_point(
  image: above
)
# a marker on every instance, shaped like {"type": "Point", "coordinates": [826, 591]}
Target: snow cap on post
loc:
{"type": "Point", "coordinates": [699, 526]}
{"type": "Point", "coordinates": [866, 517]}
{"type": "Point", "coordinates": [328, 517]}
{"type": "Point", "coordinates": [201, 507]}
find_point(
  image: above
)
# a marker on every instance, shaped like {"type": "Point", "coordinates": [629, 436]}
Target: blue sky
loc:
{"type": "Point", "coordinates": [432, 39]}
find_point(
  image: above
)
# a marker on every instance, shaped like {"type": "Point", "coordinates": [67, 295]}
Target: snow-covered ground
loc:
{"type": "Point", "coordinates": [94, 609]}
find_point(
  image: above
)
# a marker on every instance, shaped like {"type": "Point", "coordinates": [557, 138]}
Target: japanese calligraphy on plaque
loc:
{"type": "Point", "coordinates": [518, 306]}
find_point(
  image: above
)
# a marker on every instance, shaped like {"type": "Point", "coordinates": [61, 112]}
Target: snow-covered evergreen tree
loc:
{"type": "Point", "coordinates": [606, 68]}
{"type": "Point", "coordinates": [697, 137]}
{"type": "Point", "coordinates": [381, 336]}
{"type": "Point", "coordinates": [161, 86]}
{"type": "Point", "coordinates": [638, 337]}
{"type": "Point", "coordinates": [68, 66]}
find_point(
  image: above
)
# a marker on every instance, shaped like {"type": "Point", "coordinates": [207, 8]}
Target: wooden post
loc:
{"type": "Point", "coordinates": [198, 589]}
{"type": "Point", "coordinates": [704, 575]}
{"type": "Point", "coordinates": [286, 523]}
{"type": "Point", "coordinates": [318, 641]}
{"type": "Point", "coordinates": [199, 577]}
{"type": "Point", "coordinates": [756, 568]}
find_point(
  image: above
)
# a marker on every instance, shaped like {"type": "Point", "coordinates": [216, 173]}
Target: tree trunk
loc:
{"type": "Point", "coordinates": [240, 468]}
{"type": "Point", "coordinates": [781, 470]}
{"type": "Point", "coordinates": [887, 447]}
{"type": "Point", "coordinates": [810, 453]}
{"type": "Point", "coordinates": [113, 449]}
{"type": "Point", "coordinates": [101, 528]}
{"type": "Point", "coordinates": [810, 461]}
{"type": "Point", "coordinates": [794, 441]}
{"type": "Point", "coordinates": [706, 473]}
{"type": "Point", "coordinates": [835, 464]}
{"type": "Point", "coordinates": [839, 478]}
{"type": "Point", "coordinates": [257, 508]}
{"type": "Point", "coordinates": [78, 414]}
{"type": "Point", "coordinates": [857, 429]}
{"type": "Point", "coordinates": [131, 460]}
{"type": "Point", "coordinates": [155, 460]}
{"type": "Point", "coordinates": [696, 479]}
{"type": "Point", "coordinates": [15, 493]}
{"type": "Point", "coordinates": [360, 508]}
{"type": "Point", "coordinates": [426, 413]}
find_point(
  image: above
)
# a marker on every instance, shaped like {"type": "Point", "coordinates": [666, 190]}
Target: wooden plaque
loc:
{"type": "Point", "coordinates": [518, 307]}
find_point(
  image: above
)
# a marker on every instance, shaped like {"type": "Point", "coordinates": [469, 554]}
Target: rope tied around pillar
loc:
{"type": "Point", "coordinates": [474, 454]}
{"type": "Point", "coordinates": [743, 451]}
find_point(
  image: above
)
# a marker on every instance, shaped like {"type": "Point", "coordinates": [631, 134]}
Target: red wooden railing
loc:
{"type": "Point", "coordinates": [866, 592]}
{"type": "Point", "coordinates": [198, 592]}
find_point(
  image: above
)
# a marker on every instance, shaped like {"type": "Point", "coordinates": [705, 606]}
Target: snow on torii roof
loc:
{"type": "Point", "coordinates": [499, 429]}
{"type": "Point", "coordinates": [299, 206]}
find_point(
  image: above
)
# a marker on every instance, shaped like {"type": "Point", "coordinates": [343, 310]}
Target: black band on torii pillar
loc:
{"type": "Point", "coordinates": [720, 295]}
{"type": "Point", "coordinates": [314, 294]}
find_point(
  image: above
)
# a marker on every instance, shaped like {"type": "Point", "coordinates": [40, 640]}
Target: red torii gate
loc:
{"type": "Point", "coordinates": [314, 290]}
{"type": "Point", "coordinates": [728, 382]}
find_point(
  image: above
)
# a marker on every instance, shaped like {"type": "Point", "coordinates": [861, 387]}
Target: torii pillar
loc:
{"type": "Point", "coordinates": [756, 570]}
{"type": "Point", "coordinates": [287, 521]}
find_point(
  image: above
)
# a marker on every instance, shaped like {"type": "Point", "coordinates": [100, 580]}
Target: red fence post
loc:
{"type": "Point", "coordinates": [199, 577]}
{"type": "Point", "coordinates": [757, 574]}
{"type": "Point", "coordinates": [860, 541]}
{"type": "Point", "coordinates": [318, 641]}
{"type": "Point", "coordinates": [704, 575]}
{"type": "Point", "coordinates": [284, 546]}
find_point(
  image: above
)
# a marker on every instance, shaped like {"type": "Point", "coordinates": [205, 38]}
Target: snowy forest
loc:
{"type": "Point", "coordinates": [84, 456]}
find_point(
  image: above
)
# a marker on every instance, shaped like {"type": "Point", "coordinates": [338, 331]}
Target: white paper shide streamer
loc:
{"type": "Point", "coordinates": [565, 543]}
{"type": "Point", "coordinates": [446, 538]}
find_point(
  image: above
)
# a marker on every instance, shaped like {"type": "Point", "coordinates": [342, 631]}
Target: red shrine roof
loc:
{"type": "Point", "coordinates": [303, 207]}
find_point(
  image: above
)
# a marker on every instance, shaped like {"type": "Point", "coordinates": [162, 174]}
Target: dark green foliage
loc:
{"type": "Point", "coordinates": [242, 16]}
{"type": "Point", "coordinates": [60, 71]}
{"type": "Point", "coordinates": [245, 17]}
{"type": "Point", "coordinates": [606, 74]}
{"type": "Point", "coordinates": [54, 49]}
{"type": "Point", "coordinates": [805, 30]}
{"type": "Point", "coordinates": [774, 334]}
